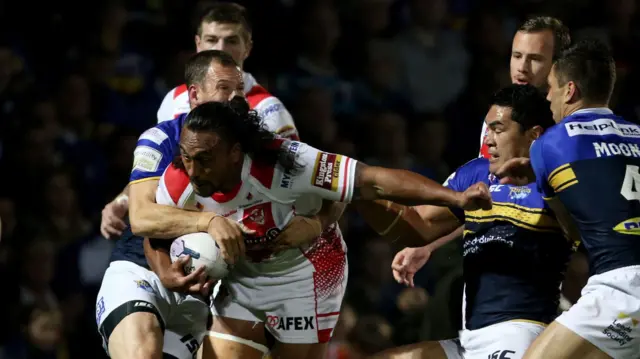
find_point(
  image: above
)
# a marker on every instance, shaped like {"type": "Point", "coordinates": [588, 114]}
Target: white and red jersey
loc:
{"type": "Point", "coordinates": [275, 116]}
{"type": "Point", "coordinates": [484, 149]}
{"type": "Point", "coordinates": [268, 197]}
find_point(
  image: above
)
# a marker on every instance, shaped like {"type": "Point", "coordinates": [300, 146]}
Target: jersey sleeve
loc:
{"type": "Point", "coordinates": [153, 153]}
{"type": "Point", "coordinates": [173, 188]}
{"type": "Point", "coordinates": [277, 119]}
{"type": "Point", "coordinates": [538, 163]}
{"type": "Point", "coordinates": [326, 175]}
{"type": "Point", "coordinates": [166, 112]}
{"type": "Point", "coordinates": [456, 183]}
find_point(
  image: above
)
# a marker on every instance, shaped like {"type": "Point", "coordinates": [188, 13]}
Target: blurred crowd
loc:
{"type": "Point", "coordinates": [398, 83]}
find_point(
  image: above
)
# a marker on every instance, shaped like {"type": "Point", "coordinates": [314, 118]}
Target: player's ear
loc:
{"type": "Point", "coordinates": [570, 92]}
{"type": "Point", "coordinates": [193, 96]}
{"type": "Point", "coordinates": [235, 154]}
{"type": "Point", "coordinates": [534, 132]}
{"type": "Point", "coordinates": [197, 40]}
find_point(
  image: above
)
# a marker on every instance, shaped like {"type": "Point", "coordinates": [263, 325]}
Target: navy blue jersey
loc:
{"type": "Point", "coordinates": [154, 151]}
{"type": "Point", "coordinates": [591, 162]}
{"type": "Point", "coordinates": [515, 254]}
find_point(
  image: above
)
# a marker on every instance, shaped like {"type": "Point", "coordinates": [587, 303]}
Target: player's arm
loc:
{"type": "Point", "coordinates": [339, 178]}
{"type": "Point", "coordinates": [150, 219]}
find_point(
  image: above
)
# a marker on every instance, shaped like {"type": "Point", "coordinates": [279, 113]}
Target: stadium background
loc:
{"type": "Point", "coordinates": [80, 80]}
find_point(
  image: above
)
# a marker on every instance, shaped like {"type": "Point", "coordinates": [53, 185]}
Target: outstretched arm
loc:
{"type": "Point", "coordinates": [410, 188]}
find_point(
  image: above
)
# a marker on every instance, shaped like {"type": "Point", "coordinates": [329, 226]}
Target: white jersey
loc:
{"type": "Point", "coordinates": [268, 196]}
{"type": "Point", "coordinates": [275, 116]}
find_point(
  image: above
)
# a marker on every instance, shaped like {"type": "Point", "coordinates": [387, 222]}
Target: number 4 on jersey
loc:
{"type": "Point", "coordinates": [631, 184]}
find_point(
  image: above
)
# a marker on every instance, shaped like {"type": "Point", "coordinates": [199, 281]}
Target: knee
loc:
{"type": "Point", "coordinates": [137, 336]}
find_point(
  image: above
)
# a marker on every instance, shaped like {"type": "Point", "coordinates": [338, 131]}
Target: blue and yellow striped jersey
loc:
{"type": "Point", "coordinates": [514, 254]}
{"type": "Point", "coordinates": [590, 161]}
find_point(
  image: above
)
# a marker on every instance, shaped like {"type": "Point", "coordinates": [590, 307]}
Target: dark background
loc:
{"type": "Point", "coordinates": [80, 80]}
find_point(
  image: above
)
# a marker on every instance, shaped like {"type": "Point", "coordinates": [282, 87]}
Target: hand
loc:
{"type": "Point", "coordinates": [407, 262]}
{"type": "Point", "coordinates": [300, 231]}
{"type": "Point", "coordinates": [196, 282]}
{"type": "Point", "coordinates": [475, 197]}
{"type": "Point", "coordinates": [516, 171]}
{"type": "Point", "coordinates": [230, 237]}
{"type": "Point", "coordinates": [112, 223]}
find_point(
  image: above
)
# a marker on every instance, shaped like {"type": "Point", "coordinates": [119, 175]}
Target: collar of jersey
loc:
{"type": "Point", "coordinates": [588, 111]}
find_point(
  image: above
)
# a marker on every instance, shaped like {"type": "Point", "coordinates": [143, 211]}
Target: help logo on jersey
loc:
{"type": "Point", "coordinates": [327, 171]}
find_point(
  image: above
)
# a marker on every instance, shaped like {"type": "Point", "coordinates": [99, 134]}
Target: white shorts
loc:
{"type": "Point", "coordinates": [128, 288]}
{"type": "Point", "coordinates": [297, 296]}
{"type": "Point", "coordinates": [608, 312]}
{"type": "Point", "coordinates": [506, 340]}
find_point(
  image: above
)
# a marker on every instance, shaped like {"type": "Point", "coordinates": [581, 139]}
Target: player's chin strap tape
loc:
{"type": "Point", "coordinates": [134, 306]}
{"type": "Point", "coordinates": [243, 341]}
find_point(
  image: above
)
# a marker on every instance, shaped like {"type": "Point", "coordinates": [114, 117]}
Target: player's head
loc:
{"type": "Point", "coordinates": [214, 139]}
{"type": "Point", "coordinates": [212, 75]}
{"type": "Point", "coordinates": [536, 44]}
{"type": "Point", "coordinates": [518, 115]}
{"type": "Point", "coordinates": [225, 27]}
{"type": "Point", "coordinates": [583, 76]}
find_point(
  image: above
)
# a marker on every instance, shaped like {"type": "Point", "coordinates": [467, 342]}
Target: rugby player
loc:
{"type": "Point", "coordinates": [230, 165]}
{"type": "Point", "coordinates": [133, 303]}
{"type": "Point", "coordinates": [587, 169]}
{"type": "Point", "coordinates": [226, 27]}
{"type": "Point", "coordinates": [514, 254]}
{"type": "Point", "coordinates": [223, 27]}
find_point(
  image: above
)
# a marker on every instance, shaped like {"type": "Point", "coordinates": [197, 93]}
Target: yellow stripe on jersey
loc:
{"type": "Point", "coordinates": [535, 219]}
{"type": "Point", "coordinates": [562, 178]}
{"type": "Point", "coordinates": [467, 231]}
{"type": "Point", "coordinates": [144, 179]}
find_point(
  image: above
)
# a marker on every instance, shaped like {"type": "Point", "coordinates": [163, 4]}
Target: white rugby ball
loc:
{"type": "Point", "coordinates": [203, 251]}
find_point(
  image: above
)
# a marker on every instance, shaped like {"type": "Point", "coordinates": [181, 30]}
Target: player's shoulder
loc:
{"type": "Point", "coordinates": [469, 173]}
{"type": "Point", "coordinates": [163, 131]}
{"type": "Point", "coordinates": [478, 165]}
{"type": "Point", "coordinates": [176, 181]}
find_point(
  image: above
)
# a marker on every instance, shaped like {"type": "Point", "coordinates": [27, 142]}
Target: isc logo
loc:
{"type": "Point", "coordinates": [496, 187]}
{"type": "Point", "coordinates": [630, 226]}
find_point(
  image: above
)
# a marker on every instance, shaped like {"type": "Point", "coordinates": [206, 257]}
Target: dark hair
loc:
{"type": "Point", "coordinates": [198, 65]}
{"type": "Point", "coordinates": [591, 67]}
{"type": "Point", "coordinates": [528, 105]}
{"type": "Point", "coordinates": [561, 36]}
{"type": "Point", "coordinates": [226, 13]}
{"type": "Point", "coordinates": [236, 123]}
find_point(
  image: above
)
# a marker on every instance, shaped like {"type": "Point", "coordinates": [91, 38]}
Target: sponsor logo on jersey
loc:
{"type": "Point", "coordinates": [291, 323]}
{"type": "Point", "coordinates": [629, 226]}
{"type": "Point", "coordinates": [287, 177]}
{"type": "Point", "coordinates": [154, 135]}
{"type": "Point", "coordinates": [519, 192]}
{"type": "Point", "coordinates": [270, 110]}
{"type": "Point", "coordinates": [146, 159]}
{"type": "Point", "coordinates": [621, 328]}
{"type": "Point", "coordinates": [144, 285]}
{"type": "Point", "coordinates": [327, 171]}
{"type": "Point", "coordinates": [99, 310]}
{"type": "Point", "coordinates": [257, 216]}
{"type": "Point", "coordinates": [602, 127]}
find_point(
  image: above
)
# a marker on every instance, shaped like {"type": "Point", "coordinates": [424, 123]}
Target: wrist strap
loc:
{"type": "Point", "coordinates": [394, 222]}
{"type": "Point", "coordinates": [202, 225]}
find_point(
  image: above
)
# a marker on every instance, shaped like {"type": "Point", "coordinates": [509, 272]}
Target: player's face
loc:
{"type": "Point", "coordinates": [556, 97]}
{"type": "Point", "coordinates": [221, 83]}
{"type": "Point", "coordinates": [531, 58]}
{"type": "Point", "coordinates": [229, 38]}
{"type": "Point", "coordinates": [505, 138]}
{"type": "Point", "coordinates": [213, 165]}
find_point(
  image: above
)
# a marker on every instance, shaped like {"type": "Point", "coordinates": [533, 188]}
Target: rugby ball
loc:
{"type": "Point", "coordinates": [203, 251]}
